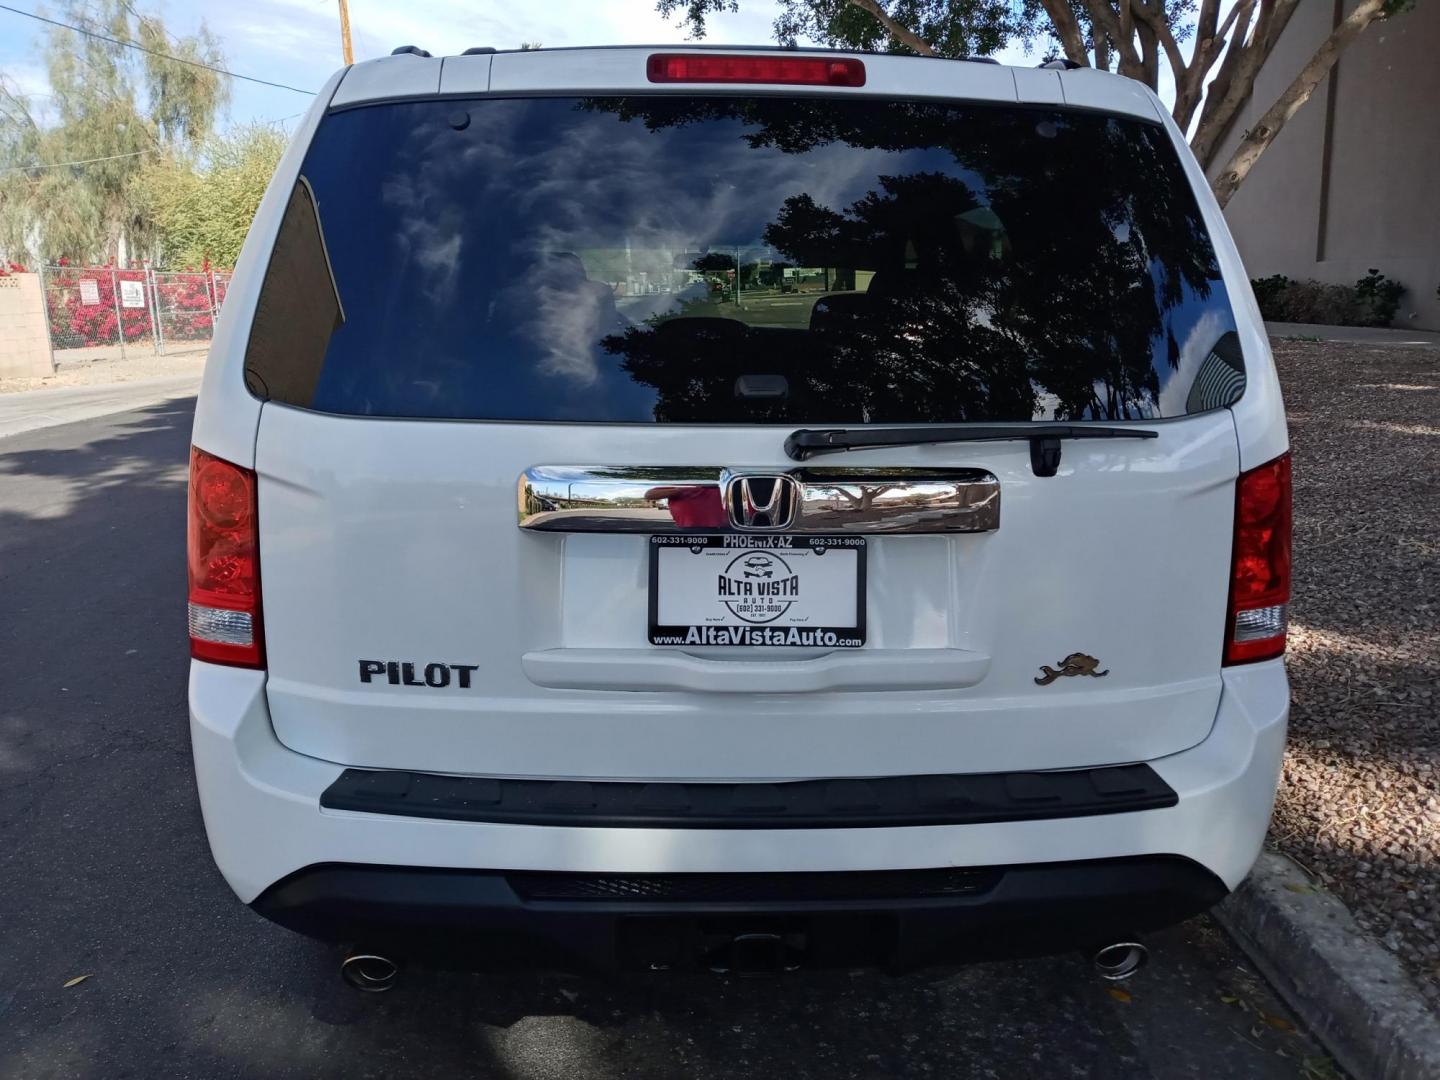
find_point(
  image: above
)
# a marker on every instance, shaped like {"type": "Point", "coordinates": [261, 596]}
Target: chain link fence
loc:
{"type": "Point", "coordinates": [107, 313]}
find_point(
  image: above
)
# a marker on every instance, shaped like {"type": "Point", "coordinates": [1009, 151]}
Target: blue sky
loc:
{"type": "Point", "coordinates": [298, 41]}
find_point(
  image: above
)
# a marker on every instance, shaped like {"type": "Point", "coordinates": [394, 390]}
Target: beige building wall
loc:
{"type": "Point", "coordinates": [1353, 180]}
{"type": "Point", "coordinates": [24, 340]}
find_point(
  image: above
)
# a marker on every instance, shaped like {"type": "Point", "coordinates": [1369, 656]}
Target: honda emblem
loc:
{"type": "Point", "coordinates": [761, 502]}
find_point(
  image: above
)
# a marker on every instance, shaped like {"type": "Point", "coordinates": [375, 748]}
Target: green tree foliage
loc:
{"type": "Point", "coordinates": [201, 212]}
{"type": "Point", "coordinates": [106, 102]}
{"type": "Point", "coordinates": [948, 27]}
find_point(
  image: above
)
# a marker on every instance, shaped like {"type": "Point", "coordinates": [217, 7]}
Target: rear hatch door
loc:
{"type": "Point", "coordinates": [527, 481]}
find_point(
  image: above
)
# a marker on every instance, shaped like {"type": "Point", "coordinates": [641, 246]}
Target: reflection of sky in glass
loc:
{"type": "Point", "coordinates": [606, 491]}
{"type": "Point", "coordinates": [1196, 323]}
{"type": "Point", "coordinates": [436, 234]}
{"type": "Point", "coordinates": [722, 209]}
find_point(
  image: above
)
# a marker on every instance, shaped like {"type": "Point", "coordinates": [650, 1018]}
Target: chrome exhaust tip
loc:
{"type": "Point", "coordinates": [369, 973]}
{"type": "Point", "coordinates": [1119, 961]}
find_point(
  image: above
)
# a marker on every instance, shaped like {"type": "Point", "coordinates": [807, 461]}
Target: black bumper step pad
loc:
{"type": "Point", "coordinates": [883, 802]}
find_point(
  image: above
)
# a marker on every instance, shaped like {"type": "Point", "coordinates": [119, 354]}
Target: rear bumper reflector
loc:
{"type": "Point", "coordinates": [891, 801]}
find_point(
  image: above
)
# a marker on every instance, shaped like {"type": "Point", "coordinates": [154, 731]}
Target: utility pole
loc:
{"type": "Point", "coordinates": [345, 33]}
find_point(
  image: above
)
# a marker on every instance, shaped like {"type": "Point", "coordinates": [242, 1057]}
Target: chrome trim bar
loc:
{"type": "Point", "coordinates": [670, 499]}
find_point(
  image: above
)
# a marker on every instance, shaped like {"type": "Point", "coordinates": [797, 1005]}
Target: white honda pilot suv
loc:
{"type": "Point", "coordinates": [740, 508]}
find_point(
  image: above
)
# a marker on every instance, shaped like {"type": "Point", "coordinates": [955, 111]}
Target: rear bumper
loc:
{"type": "Point", "coordinates": [262, 810]}
{"type": "Point", "coordinates": [490, 918]}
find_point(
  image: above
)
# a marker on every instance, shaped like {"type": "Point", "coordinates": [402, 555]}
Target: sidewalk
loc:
{"type": "Point", "coordinates": [110, 371]}
{"type": "Point", "coordinates": [1355, 335]}
{"type": "Point", "coordinates": [134, 352]}
{"type": "Point", "coordinates": [29, 410]}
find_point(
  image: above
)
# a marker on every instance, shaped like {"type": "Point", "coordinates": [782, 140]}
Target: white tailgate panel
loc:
{"type": "Point", "coordinates": [397, 541]}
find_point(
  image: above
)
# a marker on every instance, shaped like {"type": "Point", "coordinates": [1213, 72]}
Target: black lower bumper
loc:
{"type": "Point", "coordinates": [898, 919]}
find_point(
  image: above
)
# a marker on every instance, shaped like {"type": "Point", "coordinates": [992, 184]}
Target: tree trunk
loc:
{"type": "Point", "coordinates": [1152, 15]}
{"type": "Point", "coordinates": [1259, 137]}
{"type": "Point", "coordinates": [1105, 21]}
{"type": "Point", "coordinates": [1067, 29]}
{"type": "Point", "coordinates": [1210, 39]}
{"type": "Point", "coordinates": [1236, 79]}
{"type": "Point", "coordinates": [1149, 55]}
{"type": "Point", "coordinates": [907, 37]}
{"type": "Point", "coordinates": [867, 497]}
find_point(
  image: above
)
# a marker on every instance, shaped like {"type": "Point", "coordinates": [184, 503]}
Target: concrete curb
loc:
{"type": "Point", "coordinates": [1346, 987]}
{"type": "Point", "coordinates": [1354, 335]}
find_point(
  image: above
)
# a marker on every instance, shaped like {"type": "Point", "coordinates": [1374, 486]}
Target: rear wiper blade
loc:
{"type": "Point", "coordinates": [1044, 439]}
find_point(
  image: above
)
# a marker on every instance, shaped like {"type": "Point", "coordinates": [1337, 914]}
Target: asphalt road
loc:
{"type": "Point", "coordinates": [104, 871]}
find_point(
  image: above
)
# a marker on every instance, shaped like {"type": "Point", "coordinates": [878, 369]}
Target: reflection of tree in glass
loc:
{"type": "Point", "coordinates": [917, 344]}
{"type": "Point", "coordinates": [714, 262]}
{"type": "Point", "coordinates": [693, 362]}
{"type": "Point", "coordinates": [1040, 278]}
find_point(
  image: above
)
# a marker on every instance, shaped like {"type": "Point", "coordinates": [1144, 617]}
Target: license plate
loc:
{"type": "Point", "coordinates": [766, 591]}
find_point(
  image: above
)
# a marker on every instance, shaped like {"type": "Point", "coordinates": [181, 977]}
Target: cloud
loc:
{"type": "Point", "coordinates": [1193, 351]}
{"type": "Point", "coordinates": [30, 78]}
{"type": "Point", "coordinates": [32, 83]}
{"type": "Point", "coordinates": [298, 41]}
{"type": "Point", "coordinates": [451, 26]}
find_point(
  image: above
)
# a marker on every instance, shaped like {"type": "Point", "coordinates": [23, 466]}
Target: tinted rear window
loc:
{"type": "Point", "coordinates": [730, 259]}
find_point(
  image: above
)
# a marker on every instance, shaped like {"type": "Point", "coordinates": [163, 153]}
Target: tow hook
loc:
{"type": "Point", "coordinates": [756, 955]}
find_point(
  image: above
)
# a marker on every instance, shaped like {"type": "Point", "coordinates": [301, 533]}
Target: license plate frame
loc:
{"type": "Point", "coordinates": [744, 620]}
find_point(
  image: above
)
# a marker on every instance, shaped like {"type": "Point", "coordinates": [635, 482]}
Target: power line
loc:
{"type": "Point", "coordinates": [152, 52]}
{"type": "Point", "coordinates": [117, 157]}
{"type": "Point", "coordinates": [86, 161]}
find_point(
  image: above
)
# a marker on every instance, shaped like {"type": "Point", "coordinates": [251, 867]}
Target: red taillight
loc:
{"type": "Point", "coordinates": [223, 545]}
{"type": "Point", "coordinates": [790, 70]}
{"type": "Point", "coordinates": [1260, 566]}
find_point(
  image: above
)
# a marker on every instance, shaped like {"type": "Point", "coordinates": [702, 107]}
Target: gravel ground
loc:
{"type": "Point", "coordinates": [1360, 800]}
{"type": "Point", "coordinates": [106, 372]}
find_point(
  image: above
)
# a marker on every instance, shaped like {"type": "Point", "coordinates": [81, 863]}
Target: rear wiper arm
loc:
{"type": "Point", "coordinates": [1044, 439]}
